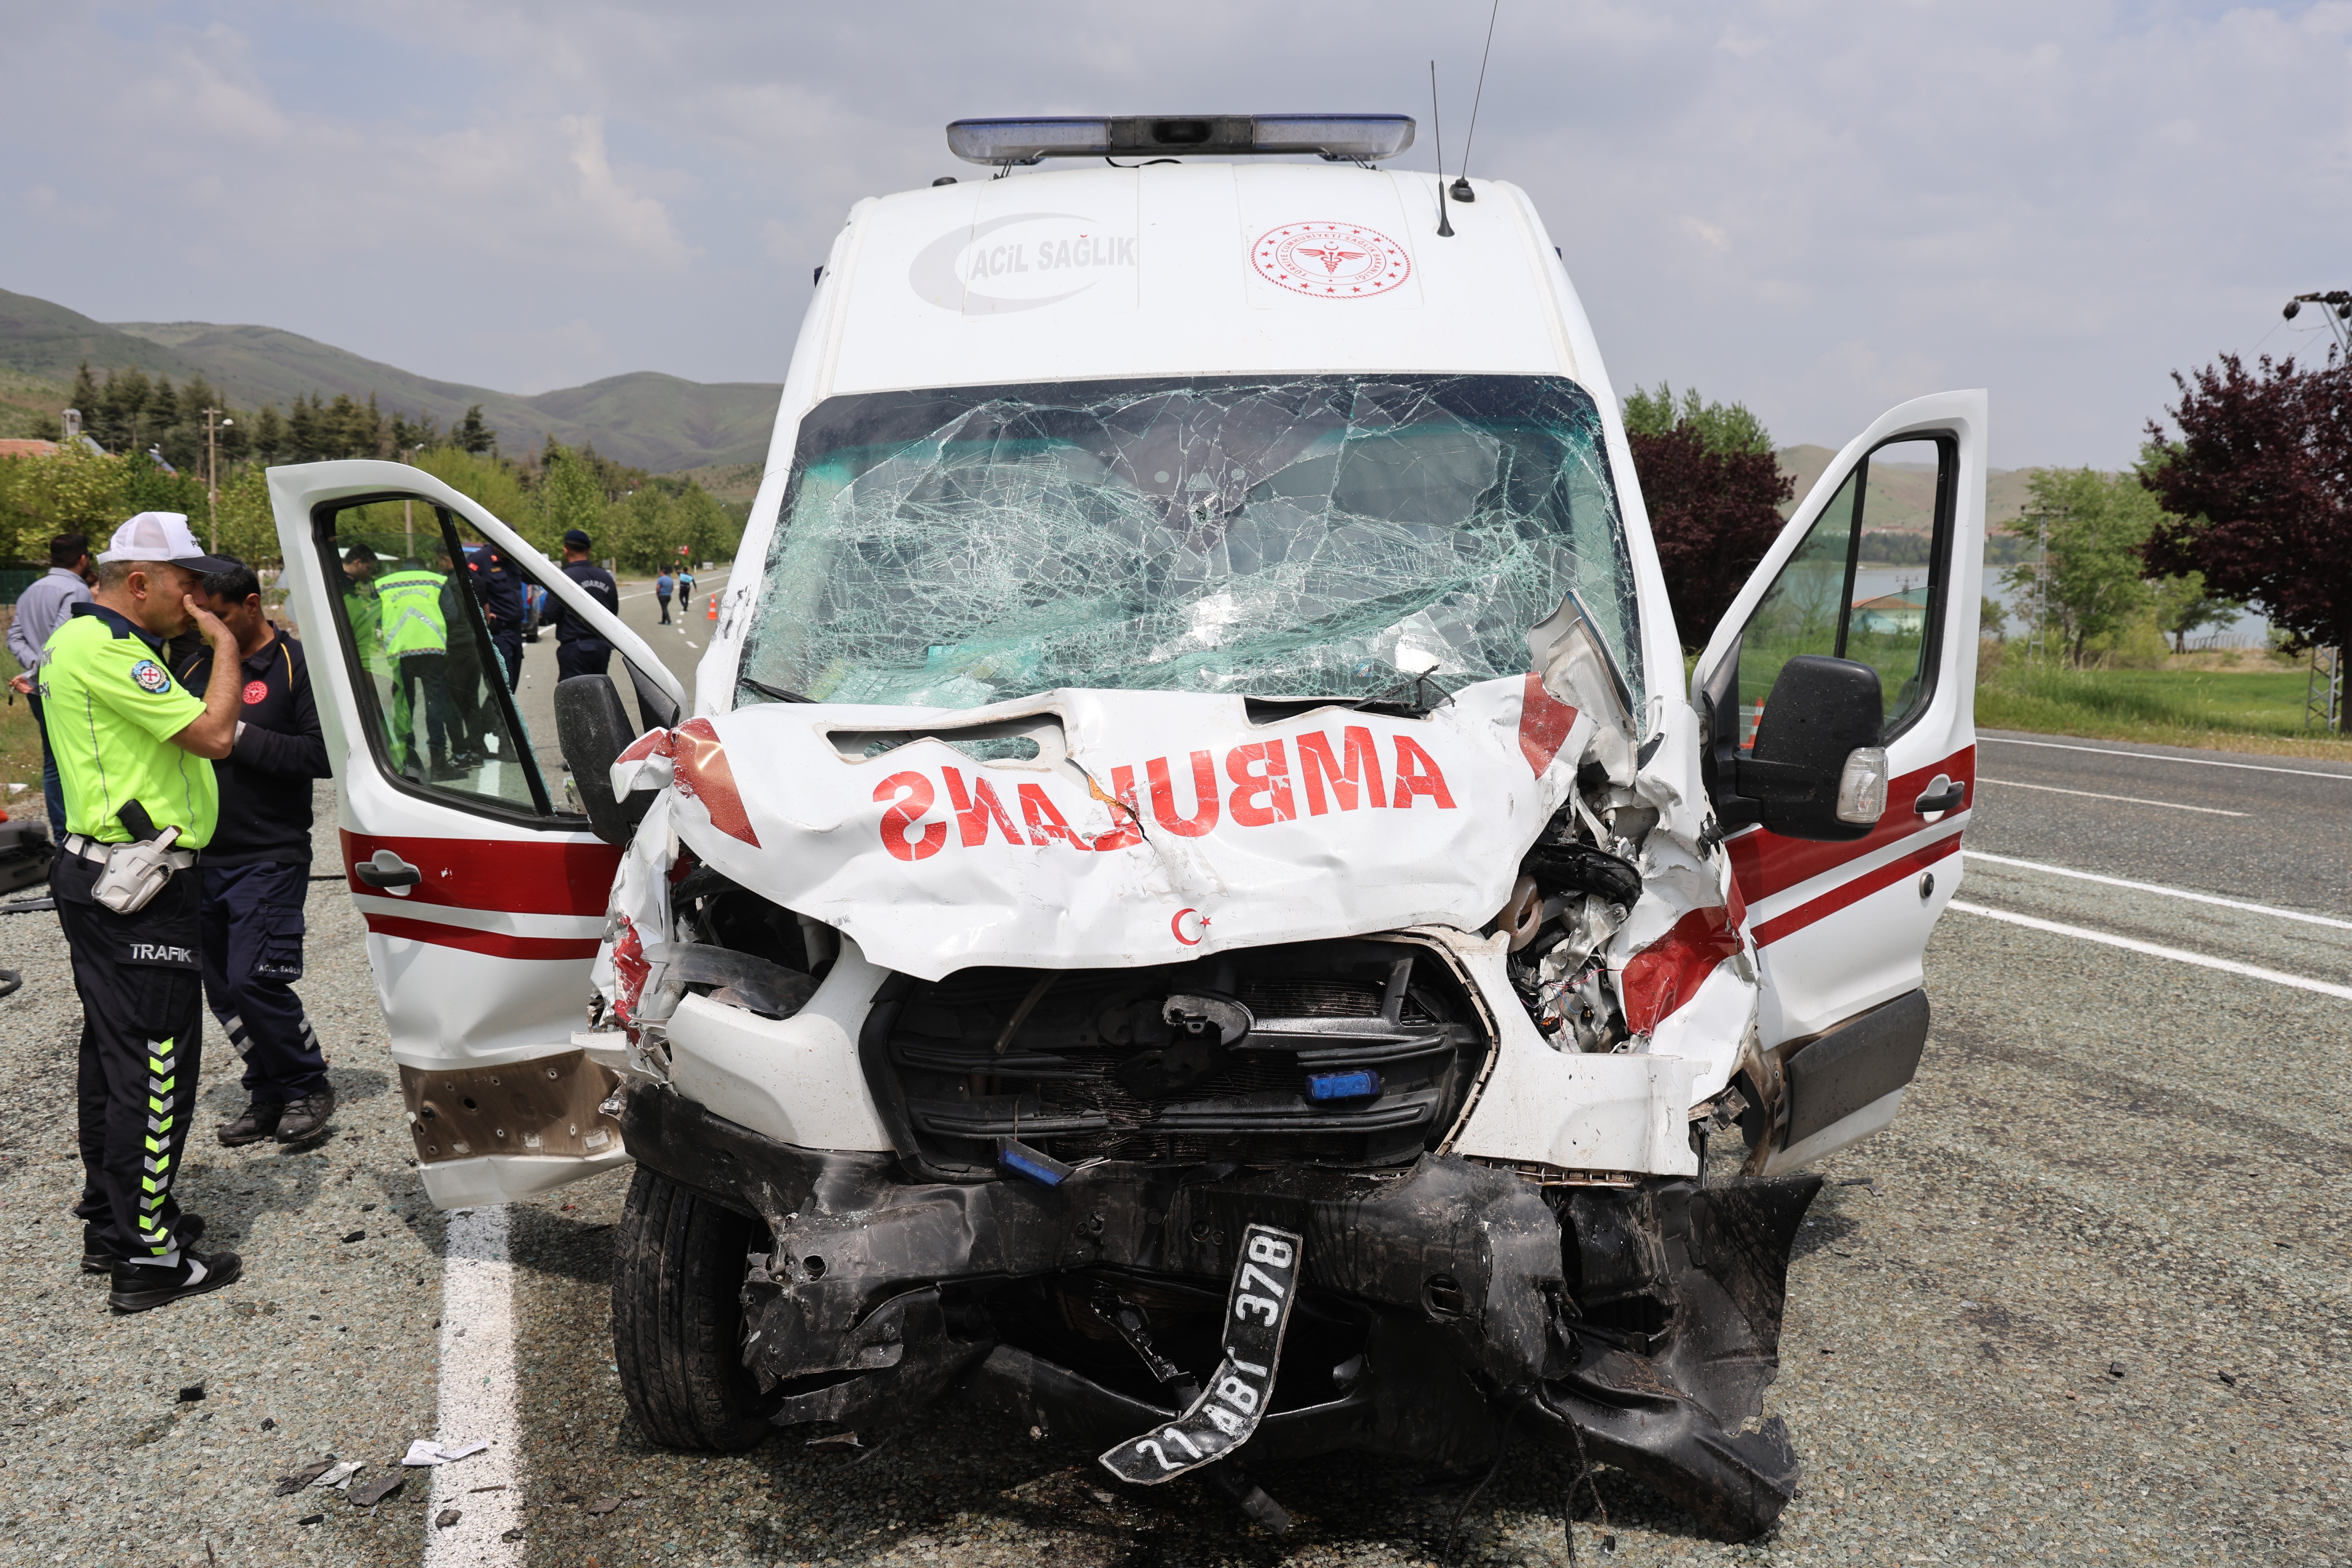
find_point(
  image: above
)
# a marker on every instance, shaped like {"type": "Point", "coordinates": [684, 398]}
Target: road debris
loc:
{"type": "Point", "coordinates": [192, 1394]}
{"type": "Point", "coordinates": [341, 1474]}
{"type": "Point", "coordinates": [370, 1492]}
{"type": "Point", "coordinates": [445, 1518]}
{"type": "Point", "coordinates": [288, 1484]}
{"type": "Point", "coordinates": [430, 1451]}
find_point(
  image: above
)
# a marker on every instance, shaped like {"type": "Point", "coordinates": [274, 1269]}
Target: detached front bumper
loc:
{"type": "Point", "coordinates": [1444, 1301]}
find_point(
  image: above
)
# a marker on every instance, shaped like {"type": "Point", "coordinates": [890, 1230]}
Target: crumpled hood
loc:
{"type": "Point", "coordinates": [1149, 828]}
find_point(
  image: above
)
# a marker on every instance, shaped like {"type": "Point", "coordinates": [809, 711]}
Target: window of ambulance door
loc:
{"type": "Point", "coordinates": [1867, 584]}
{"type": "Point", "coordinates": [432, 692]}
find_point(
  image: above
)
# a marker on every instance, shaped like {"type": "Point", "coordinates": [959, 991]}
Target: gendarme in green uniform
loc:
{"type": "Point", "coordinates": [116, 708]}
{"type": "Point", "coordinates": [410, 605]}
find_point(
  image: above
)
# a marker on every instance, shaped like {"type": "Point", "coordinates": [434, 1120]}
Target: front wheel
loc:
{"type": "Point", "coordinates": [677, 1319]}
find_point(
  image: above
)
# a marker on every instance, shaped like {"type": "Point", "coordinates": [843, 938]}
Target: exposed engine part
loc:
{"type": "Point", "coordinates": [1356, 1052]}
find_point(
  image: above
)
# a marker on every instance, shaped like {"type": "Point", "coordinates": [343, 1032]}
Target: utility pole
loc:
{"type": "Point", "coordinates": [2336, 309]}
{"type": "Point", "coordinates": [212, 474]}
{"type": "Point", "coordinates": [2323, 690]}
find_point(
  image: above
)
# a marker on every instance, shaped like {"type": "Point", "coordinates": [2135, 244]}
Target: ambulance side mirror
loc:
{"type": "Point", "coordinates": [1817, 770]}
{"type": "Point", "coordinates": [593, 729]}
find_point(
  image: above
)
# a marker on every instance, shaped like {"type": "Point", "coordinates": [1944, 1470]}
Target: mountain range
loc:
{"type": "Point", "coordinates": [649, 420]}
{"type": "Point", "coordinates": [645, 419]}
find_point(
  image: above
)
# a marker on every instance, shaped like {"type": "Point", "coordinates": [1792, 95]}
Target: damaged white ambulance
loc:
{"type": "Point", "coordinates": [1196, 907]}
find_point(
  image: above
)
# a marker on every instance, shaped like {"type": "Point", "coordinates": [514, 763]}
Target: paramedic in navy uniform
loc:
{"type": "Point", "coordinates": [256, 871]}
{"type": "Point", "coordinates": [579, 650]}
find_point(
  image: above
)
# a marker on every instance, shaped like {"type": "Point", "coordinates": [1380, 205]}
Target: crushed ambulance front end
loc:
{"type": "Point", "coordinates": [1194, 911]}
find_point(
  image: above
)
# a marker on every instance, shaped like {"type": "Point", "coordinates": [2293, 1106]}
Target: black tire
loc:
{"type": "Point", "coordinates": [677, 1319]}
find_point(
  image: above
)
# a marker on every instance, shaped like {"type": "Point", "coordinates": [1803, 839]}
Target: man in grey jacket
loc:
{"type": "Point", "coordinates": [41, 609]}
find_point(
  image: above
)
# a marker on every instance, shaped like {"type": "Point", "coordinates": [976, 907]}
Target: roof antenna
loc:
{"type": "Point", "coordinates": [1462, 191]}
{"type": "Point", "coordinates": [1437, 130]}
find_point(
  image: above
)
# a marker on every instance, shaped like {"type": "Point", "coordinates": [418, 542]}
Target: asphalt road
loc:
{"type": "Point", "coordinates": [2090, 1300]}
{"type": "Point", "coordinates": [680, 644]}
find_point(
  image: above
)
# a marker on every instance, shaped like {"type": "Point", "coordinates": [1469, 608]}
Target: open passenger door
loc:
{"type": "Point", "coordinates": [483, 888]}
{"type": "Point", "coordinates": [1883, 564]}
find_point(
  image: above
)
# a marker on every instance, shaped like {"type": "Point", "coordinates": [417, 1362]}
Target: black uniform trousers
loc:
{"type": "Point", "coordinates": [582, 655]}
{"type": "Point", "coordinates": [142, 1044]}
{"type": "Point", "coordinates": [252, 929]}
{"type": "Point", "coordinates": [509, 647]}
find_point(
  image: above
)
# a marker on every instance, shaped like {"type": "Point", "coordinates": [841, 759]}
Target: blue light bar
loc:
{"type": "Point", "coordinates": [1339, 138]}
{"type": "Point", "coordinates": [1362, 1084]}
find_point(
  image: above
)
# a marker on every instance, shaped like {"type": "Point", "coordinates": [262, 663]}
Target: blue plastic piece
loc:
{"type": "Point", "coordinates": [1035, 1163]}
{"type": "Point", "coordinates": [1360, 1084]}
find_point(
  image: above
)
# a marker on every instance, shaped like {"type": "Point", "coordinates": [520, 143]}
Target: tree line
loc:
{"type": "Point", "coordinates": [152, 437]}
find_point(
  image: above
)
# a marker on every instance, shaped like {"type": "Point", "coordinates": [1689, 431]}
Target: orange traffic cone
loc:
{"type": "Point", "coordinates": [714, 608]}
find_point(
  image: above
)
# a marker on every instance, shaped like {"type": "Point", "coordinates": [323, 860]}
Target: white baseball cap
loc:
{"type": "Point", "coordinates": [162, 536]}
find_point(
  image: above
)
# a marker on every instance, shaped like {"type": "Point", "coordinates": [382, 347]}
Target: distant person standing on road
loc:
{"type": "Point", "coordinates": [41, 609]}
{"type": "Point", "coordinates": [136, 752]}
{"type": "Point", "coordinates": [663, 584]}
{"type": "Point", "coordinates": [685, 594]}
{"type": "Point", "coordinates": [580, 649]}
{"type": "Point", "coordinates": [256, 872]}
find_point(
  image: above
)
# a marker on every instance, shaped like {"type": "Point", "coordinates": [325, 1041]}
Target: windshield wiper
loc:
{"type": "Point", "coordinates": [1411, 695]}
{"type": "Point", "coordinates": [773, 693]}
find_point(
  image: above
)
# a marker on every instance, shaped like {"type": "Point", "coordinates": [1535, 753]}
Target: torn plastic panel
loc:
{"type": "Point", "coordinates": [1319, 536]}
{"type": "Point", "coordinates": [1433, 1303]}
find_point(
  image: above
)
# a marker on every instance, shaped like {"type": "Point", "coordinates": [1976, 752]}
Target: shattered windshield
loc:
{"type": "Point", "coordinates": [1319, 536]}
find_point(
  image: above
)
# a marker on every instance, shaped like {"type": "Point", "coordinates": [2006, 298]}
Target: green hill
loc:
{"type": "Point", "coordinates": [1902, 495]}
{"type": "Point", "coordinates": [644, 418]}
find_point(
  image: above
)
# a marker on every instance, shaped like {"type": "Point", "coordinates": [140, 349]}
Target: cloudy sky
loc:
{"type": "Point", "coordinates": [1818, 208]}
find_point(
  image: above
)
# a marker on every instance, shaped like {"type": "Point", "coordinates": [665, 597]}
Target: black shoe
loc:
{"type": "Point", "coordinates": [305, 1120]}
{"type": "Point", "coordinates": [96, 1259]}
{"type": "Point", "coordinates": [255, 1122]}
{"type": "Point", "coordinates": [138, 1287]}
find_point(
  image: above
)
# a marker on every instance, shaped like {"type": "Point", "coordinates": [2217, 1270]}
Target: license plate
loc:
{"type": "Point", "coordinates": [1257, 1311]}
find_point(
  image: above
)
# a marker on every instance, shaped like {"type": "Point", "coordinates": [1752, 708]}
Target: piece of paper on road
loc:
{"type": "Point", "coordinates": [427, 1451]}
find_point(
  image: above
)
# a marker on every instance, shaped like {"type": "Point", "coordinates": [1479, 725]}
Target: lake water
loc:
{"type": "Point", "coordinates": [1869, 582]}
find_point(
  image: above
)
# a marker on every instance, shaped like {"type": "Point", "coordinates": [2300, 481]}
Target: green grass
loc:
{"type": "Point", "coordinates": [2258, 709]}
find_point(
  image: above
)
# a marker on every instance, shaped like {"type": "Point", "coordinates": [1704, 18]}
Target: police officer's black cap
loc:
{"type": "Point", "coordinates": [576, 538]}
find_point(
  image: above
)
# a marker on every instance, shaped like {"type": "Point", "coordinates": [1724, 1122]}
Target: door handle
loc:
{"type": "Point", "coordinates": [387, 870]}
{"type": "Point", "coordinates": [1942, 794]}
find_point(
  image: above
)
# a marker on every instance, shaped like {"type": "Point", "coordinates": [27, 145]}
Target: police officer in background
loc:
{"type": "Point", "coordinates": [41, 609]}
{"type": "Point", "coordinates": [256, 872]}
{"type": "Point", "coordinates": [580, 649]}
{"type": "Point", "coordinates": [135, 754]}
{"type": "Point", "coordinates": [499, 588]}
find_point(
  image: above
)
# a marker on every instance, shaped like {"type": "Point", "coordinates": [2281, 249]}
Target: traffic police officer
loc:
{"type": "Point", "coordinates": [414, 626]}
{"type": "Point", "coordinates": [580, 648]}
{"type": "Point", "coordinates": [135, 754]}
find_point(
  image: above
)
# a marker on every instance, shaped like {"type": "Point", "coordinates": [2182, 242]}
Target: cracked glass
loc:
{"type": "Point", "coordinates": [1335, 536]}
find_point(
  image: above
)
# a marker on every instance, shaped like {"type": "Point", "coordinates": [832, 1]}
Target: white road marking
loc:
{"type": "Point", "coordinates": [2094, 795]}
{"type": "Point", "coordinates": [2157, 887]}
{"type": "Point", "coordinates": [2160, 757]}
{"type": "Point", "coordinates": [2152, 950]}
{"type": "Point", "coordinates": [478, 1398]}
